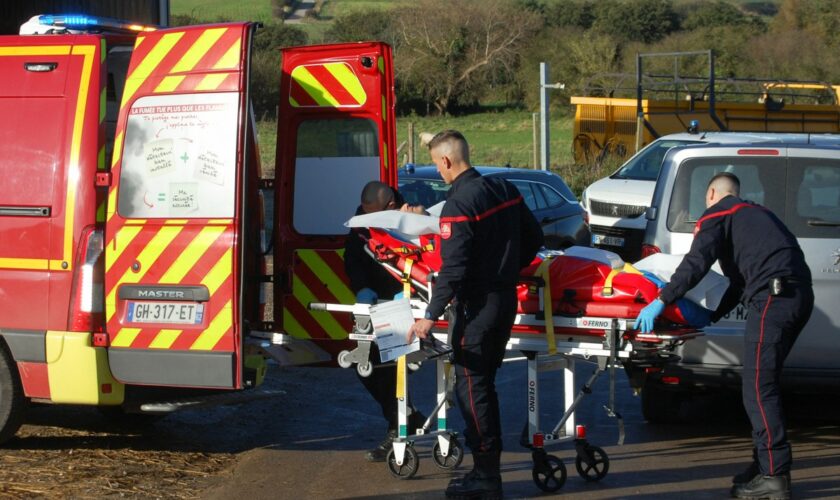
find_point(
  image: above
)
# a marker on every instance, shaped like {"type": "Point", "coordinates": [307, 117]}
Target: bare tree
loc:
{"type": "Point", "coordinates": [451, 49]}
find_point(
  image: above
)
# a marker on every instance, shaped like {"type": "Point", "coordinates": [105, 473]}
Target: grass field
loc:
{"type": "Point", "coordinates": [238, 10]}
{"type": "Point", "coordinates": [495, 139]}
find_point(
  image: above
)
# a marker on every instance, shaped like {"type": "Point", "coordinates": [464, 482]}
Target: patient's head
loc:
{"type": "Point", "coordinates": [378, 196]}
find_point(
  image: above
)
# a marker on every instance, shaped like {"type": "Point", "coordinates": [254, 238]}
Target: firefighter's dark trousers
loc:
{"type": "Point", "coordinates": [773, 324]}
{"type": "Point", "coordinates": [382, 385]}
{"type": "Point", "coordinates": [480, 332]}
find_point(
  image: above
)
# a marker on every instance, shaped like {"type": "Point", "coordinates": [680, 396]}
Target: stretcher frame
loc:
{"type": "Point", "coordinates": [607, 352]}
{"type": "Point", "coordinates": [543, 352]}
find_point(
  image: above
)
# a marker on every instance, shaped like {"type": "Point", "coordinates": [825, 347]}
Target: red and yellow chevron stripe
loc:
{"type": "Point", "coordinates": [169, 252]}
{"type": "Point", "coordinates": [329, 85]}
{"type": "Point", "coordinates": [318, 276]}
{"type": "Point", "coordinates": [172, 252]}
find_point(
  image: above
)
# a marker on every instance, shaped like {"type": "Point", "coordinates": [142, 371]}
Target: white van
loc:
{"type": "Point", "coordinates": [616, 204]}
{"type": "Point", "coordinates": [801, 185]}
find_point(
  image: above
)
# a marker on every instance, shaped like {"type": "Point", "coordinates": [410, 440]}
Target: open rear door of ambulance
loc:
{"type": "Point", "coordinates": [335, 133]}
{"type": "Point", "coordinates": [174, 236]}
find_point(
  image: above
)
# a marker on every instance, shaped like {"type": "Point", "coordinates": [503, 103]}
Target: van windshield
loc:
{"type": "Point", "coordinates": [645, 165]}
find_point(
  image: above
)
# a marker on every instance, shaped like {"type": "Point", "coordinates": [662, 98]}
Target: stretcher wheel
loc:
{"type": "Point", "coordinates": [453, 459]}
{"type": "Point", "coordinates": [365, 369]}
{"type": "Point", "coordinates": [411, 462]}
{"type": "Point", "coordinates": [549, 474]}
{"type": "Point", "coordinates": [593, 464]}
{"type": "Point", "coordinates": [343, 360]}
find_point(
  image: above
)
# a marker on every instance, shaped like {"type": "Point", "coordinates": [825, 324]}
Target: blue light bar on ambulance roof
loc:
{"type": "Point", "coordinates": [84, 23]}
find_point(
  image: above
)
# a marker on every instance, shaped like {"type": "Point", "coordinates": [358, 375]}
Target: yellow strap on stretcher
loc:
{"type": "Point", "coordinates": [401, 377]}
{"type": "Point", "coordinates": [543, 272]}
{"type": "Point", "coordinates": [607, 290]}
{"type": "Point", "coordinates": [406, 278]}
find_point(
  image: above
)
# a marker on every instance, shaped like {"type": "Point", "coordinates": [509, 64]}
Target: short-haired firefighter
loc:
{"type": "Point", "coordinates": [767, 272]}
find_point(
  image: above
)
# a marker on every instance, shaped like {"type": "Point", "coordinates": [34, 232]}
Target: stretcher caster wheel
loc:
{"type": "Point", "coordinates": [411, 462]}
{"type": "Point", "coordinates": [549, 473]}
{"type": "Point", "coordinates": [343, 360]}
{"type": "Point", "coordinates": [365, 369]}
{"type": "Point", "coordinates": [593, 464]}
{"type": "Point", "coordinates": [453, 459]}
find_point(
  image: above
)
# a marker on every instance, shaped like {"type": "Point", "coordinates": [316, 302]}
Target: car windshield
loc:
{"type": "Point", "coordinates": [646, 164]}
{"type": "Point", "coordinates": [426, 192]}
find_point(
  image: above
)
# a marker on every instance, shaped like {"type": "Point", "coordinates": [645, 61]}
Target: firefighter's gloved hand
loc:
{"type": "Point", "coordinates": [366, 296]}
{"type": "Point", "coordinates": [644, 323]}
{"type": "Point", "coordinates": [399, 296]}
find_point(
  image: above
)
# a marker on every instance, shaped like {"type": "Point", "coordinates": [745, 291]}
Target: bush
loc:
{"type": "Point", "coordinates": [705, 14]}
{"type": "Point", "coordinates": [275, 36]}
{"type": "Point", "coordinates": [575, 13]}
{"type": "Point", "coordinates": [361, 26]}
{"type": "Point", "coordinates": [636, 20]}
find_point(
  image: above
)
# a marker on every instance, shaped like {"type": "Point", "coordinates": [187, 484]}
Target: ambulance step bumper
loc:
{"type": "Point", "coordinates": [286, 350]}
{"type": "Point", "coordinates": [236, 397]}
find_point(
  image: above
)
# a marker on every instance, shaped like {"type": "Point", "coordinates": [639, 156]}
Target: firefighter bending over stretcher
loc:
{"type": "Point", "coordinates": [370, 282]}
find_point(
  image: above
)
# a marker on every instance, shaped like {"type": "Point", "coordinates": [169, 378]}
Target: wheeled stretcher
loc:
{"type": "Point", "coordinates": [574, 306]}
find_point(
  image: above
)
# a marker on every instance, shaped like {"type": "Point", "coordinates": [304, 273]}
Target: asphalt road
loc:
{"type": "Point", "coordinates": [310, 442]}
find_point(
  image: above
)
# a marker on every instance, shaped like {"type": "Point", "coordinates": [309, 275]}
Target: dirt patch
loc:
{"type": "Point", "coordinates": [89, 455]}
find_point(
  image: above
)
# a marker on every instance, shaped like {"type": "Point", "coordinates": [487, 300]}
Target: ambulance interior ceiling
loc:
{"type": "Point", "coordinates": [15, 13]}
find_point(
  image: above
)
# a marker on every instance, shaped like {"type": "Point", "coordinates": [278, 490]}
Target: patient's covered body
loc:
{"type": "Point", "coordinates": [583, 281]}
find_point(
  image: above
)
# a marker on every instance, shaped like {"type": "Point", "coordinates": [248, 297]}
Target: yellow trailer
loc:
{"type": "Point", "coordinates": [608, 126]}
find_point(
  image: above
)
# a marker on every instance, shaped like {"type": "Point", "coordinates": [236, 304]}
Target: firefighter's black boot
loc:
{"type": "Point", "coordinates": [764, 487]}
{"type": "Point", "coordinates": [484, 481]}
{"type": "Point", "coordinates": [750, 472]}
{"type": "Point", "coordinates": [380, 453]}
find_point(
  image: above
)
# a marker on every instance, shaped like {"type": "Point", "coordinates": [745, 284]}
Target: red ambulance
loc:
{"type": "Point", "coordinates": [131, 218]}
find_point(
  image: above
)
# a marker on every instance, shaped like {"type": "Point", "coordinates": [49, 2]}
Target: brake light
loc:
{"type": "Point", "coordinates": [671, 380]}
{"type": "Point", "coordinates": [86, 296]}
{"type": "Point", "coordinates": [648, 250]}
{"type": "Point", "coordinates": [759, 152]}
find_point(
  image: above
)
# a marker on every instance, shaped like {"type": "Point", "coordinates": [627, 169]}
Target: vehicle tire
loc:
{"type": "Point", "coordinates": [12, 401]}
{"type": "Point", "coordinates": [660, 406]}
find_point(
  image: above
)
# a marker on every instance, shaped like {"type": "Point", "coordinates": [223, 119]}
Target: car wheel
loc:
{"type": "Point", "coordinates": [12, 400]}
{"type": "Point", "coordinates": [660, 405]}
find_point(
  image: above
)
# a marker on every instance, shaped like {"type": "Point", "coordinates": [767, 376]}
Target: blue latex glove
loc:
{"type": "Point", "coordinates": [366, 296]}
{"type": "Point", "coordinates": [644, 322]}
{"type": "Point", "coordinates": [399, 296]}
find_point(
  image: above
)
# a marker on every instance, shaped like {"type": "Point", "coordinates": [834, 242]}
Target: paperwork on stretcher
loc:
{"type": "Point", "coordinates": [391, 321]}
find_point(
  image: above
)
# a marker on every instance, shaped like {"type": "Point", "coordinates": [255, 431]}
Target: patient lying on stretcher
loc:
{"type": "Point", "coordinates": [583, 281]}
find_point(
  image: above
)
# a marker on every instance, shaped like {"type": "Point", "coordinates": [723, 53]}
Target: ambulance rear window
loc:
{"type": "Point", "coordinates": [179, 157]}
{"type": "Point", "coordinates": [335, 159]}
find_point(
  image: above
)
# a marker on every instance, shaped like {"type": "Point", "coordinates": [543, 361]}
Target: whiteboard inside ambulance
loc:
{"type": "Point", "coordinates": [180, 157]}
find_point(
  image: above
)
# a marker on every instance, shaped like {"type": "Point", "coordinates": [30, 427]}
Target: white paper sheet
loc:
{"type": "Point", "coordinates": [404, 222]}
{"type": "Point", "coordinates": [707, 293]}
{"type": "Point", "coordinates": [391, 321]}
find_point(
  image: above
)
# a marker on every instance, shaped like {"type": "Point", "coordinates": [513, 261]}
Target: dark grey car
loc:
{"type": "Point", "coordinates": [554, 205]}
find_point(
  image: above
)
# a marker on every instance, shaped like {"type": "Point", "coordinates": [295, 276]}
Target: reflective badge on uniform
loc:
{"type": "Point", "coordinates": [445, 230]}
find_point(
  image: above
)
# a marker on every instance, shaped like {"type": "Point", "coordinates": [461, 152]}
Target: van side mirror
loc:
{"type": "Point", "coordinates": [650, 213]}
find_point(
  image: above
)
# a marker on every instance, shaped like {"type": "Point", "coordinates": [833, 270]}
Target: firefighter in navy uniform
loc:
{"type": "Point", "coordinates": [370, 282]}
{"type": "Point", "coordinates": [768, 273]}
{"type": "Point", "coordinates": [487, 236]}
